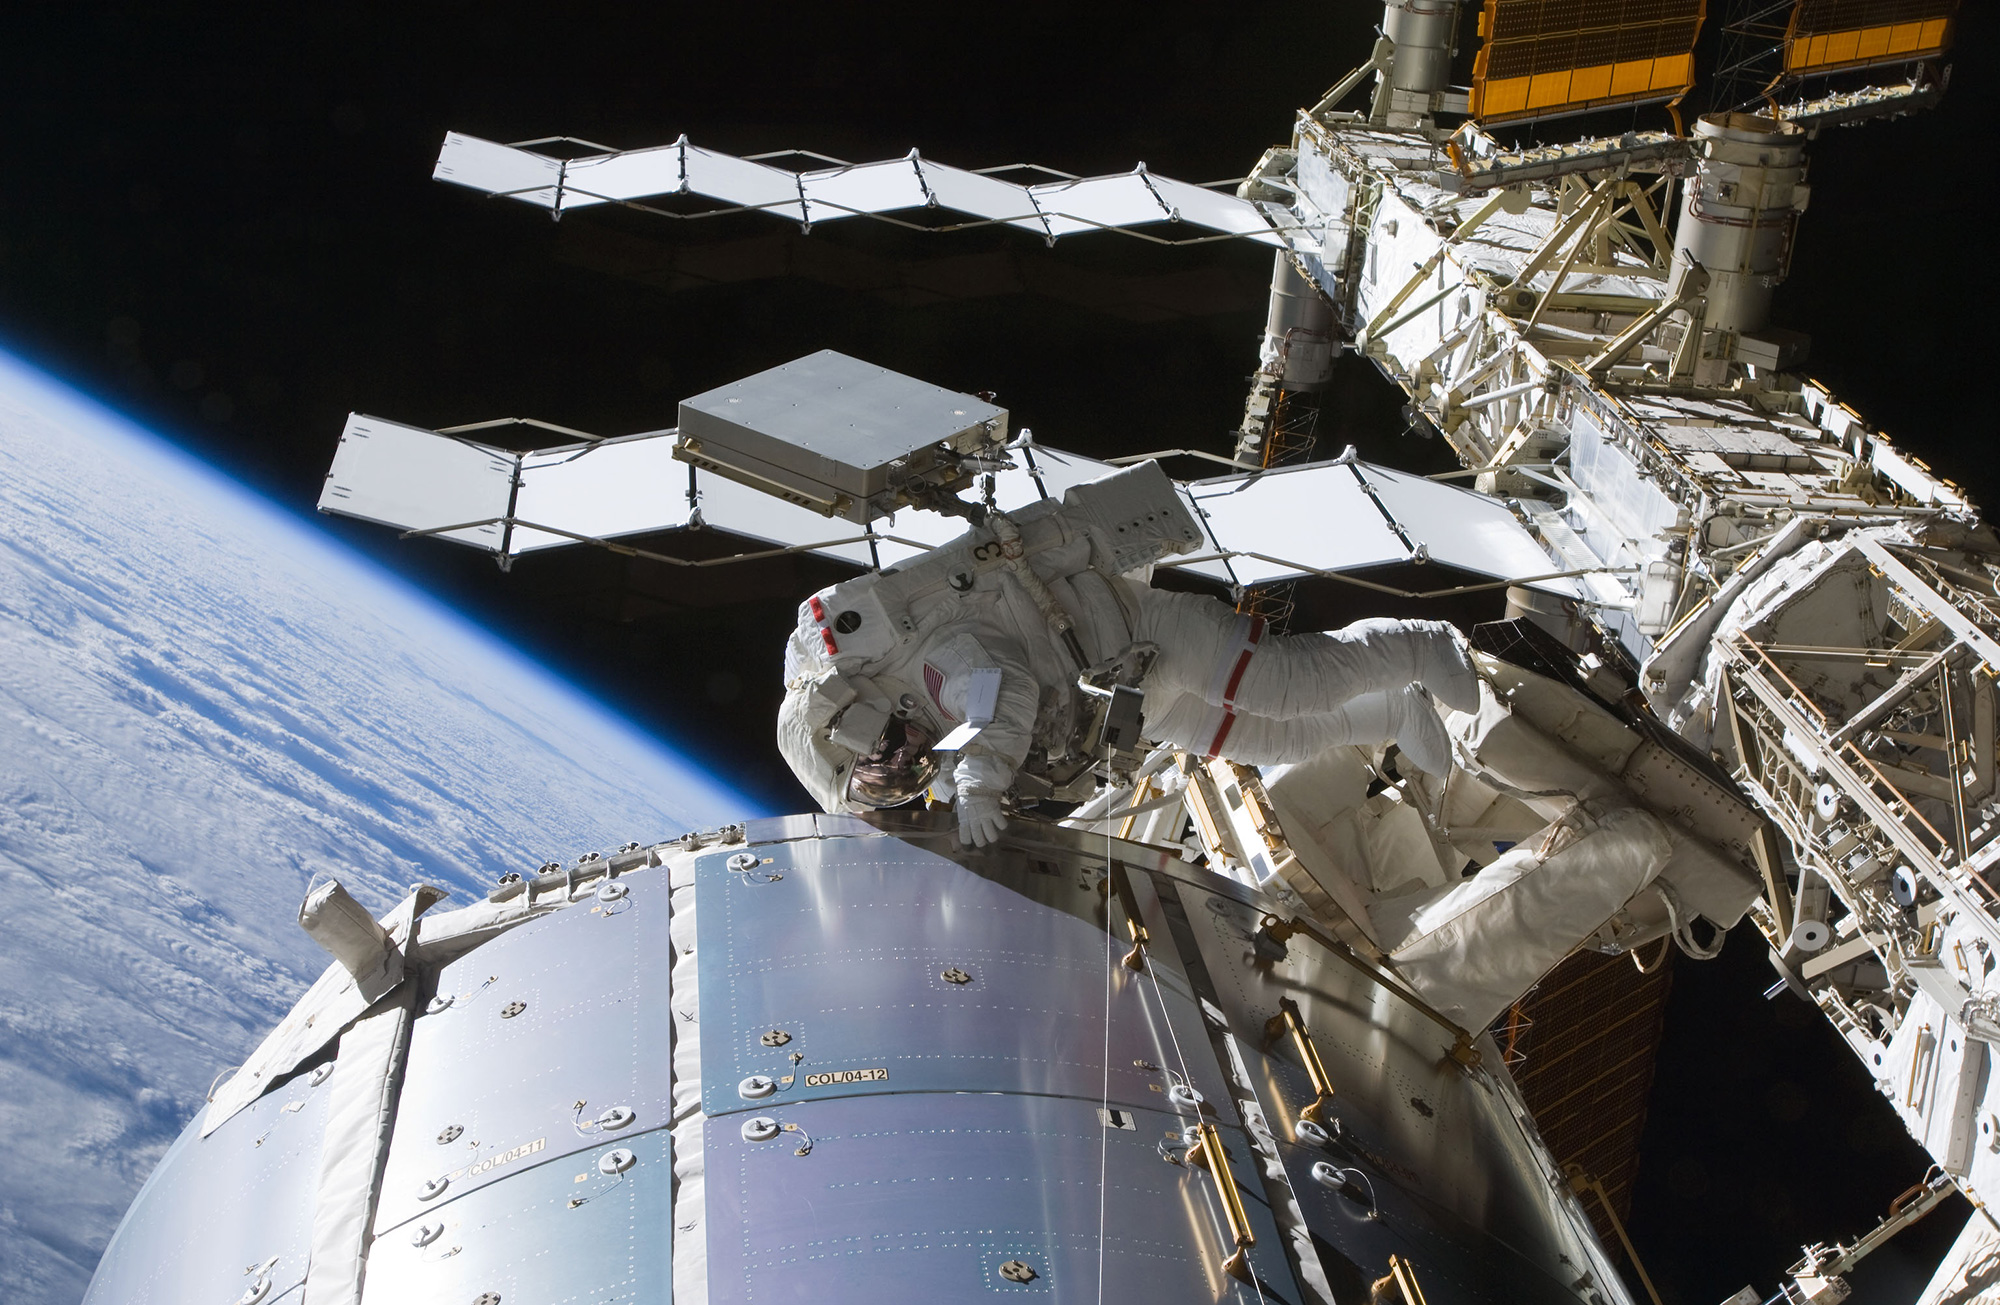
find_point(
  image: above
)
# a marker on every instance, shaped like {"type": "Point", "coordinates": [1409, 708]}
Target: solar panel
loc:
{"type": "Point", "coordinates": [602, 490]}
{"type": "Point", "coordinates": [1122, 201]}
{"type": "Point", "coordinates": [1829, 35]}
{"type": "Point", "coordinates": [409, 478]}
{"type": "Point", "coordinates": [1340, 516]}
{"type": "Point", "coordinates": [1541, 58]}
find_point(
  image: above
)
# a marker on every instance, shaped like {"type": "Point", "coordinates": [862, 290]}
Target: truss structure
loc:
{"type": "Point", "coordinates": [1586, 326]}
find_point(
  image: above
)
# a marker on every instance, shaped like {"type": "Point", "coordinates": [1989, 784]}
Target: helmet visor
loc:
{"type": "Point", "coordinates": [900, 768]}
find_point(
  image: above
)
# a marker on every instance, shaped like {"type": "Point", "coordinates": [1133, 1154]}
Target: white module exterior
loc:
{"type": "Point", "coordinates": [662, 1075]}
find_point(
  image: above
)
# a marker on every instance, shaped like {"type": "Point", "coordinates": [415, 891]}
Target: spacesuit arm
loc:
{"type": "Point", "coordinates": [950, 673]}
{"type": "Point", "coordinates": [959, 673]}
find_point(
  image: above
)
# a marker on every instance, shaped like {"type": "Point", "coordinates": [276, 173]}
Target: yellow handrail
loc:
{"type": "Point", "coordinates": [1288, 1020]}
{"type": "Point", "coordinates": [1209, 1155]}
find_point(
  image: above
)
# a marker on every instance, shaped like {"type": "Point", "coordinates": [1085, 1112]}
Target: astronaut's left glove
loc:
{"type": "Point", "coordinates": [980, 780]}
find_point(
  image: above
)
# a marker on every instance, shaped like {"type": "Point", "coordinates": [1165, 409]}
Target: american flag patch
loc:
{"type": "Point", "coordinates": [934, 685]}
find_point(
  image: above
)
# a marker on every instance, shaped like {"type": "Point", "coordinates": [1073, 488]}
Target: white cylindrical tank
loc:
{"type": "Point", "coordinates": [1422, 32]}
{"type": "Point", "coordinates": [1299, 328]}
{"type": "Point", "coordinates": [1736, 218]}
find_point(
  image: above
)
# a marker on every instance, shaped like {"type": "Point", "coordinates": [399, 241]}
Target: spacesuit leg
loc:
{"type": "Point", "coordinates": [1229, 659]}
{"type": "Point", "coordinates": [1208, 730]}
{"type": "Point", "coordinates": [1472, 949]}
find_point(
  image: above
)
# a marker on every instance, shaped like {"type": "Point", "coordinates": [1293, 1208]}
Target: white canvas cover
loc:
{"type": "Point", "coordinates": [358, 1122]}
{"type": "Point", "coordinates": [1969, 1274]}
{"type": "Point", "coordinates": [335, 1000]}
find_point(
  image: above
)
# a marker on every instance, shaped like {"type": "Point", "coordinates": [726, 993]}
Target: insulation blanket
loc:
{"type": "Point", "coordinates": [1471, 950]}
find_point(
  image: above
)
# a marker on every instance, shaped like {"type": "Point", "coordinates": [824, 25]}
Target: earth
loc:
{"type": "Point", "coordinates": [206, 705]}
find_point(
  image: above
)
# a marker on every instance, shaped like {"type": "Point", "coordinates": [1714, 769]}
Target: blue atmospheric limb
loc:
{"type": "Point", "coordinates": [206, 704]}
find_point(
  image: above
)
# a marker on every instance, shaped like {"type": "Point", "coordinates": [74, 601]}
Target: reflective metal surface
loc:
{"type": "Point", "coordinates": [562, 1231]}
{"type": "Point", "coordinates": [488, 1093]}
{"type": "Point", "coordinates": [950, 1127]}
{"type": "Point", "coordinates": [874, 965]}
{"type": "Point", "coordinates": [926, 1197]}
{"type": "Point", "coordinates": [1458, 1262]}
{"type": "Point", "coordinates": [223, 1212]}
{"type": "Point", "coordinates": [1464, 1188]}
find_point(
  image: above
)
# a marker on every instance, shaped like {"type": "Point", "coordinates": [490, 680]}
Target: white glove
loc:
{"type": "Point", "coordinates": [980, 779]}
{"type": "Point", "coordinates": [980, 819]}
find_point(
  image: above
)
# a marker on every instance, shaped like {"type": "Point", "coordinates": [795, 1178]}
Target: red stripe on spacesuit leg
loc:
{"type": "Point", "coordinates": [1221, 734]}
{"type": "Point", "coordinates": [1250, 642]}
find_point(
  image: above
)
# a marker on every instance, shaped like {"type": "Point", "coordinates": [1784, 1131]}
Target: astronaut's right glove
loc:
{"type": "Point", "coordinates": [980, 780]}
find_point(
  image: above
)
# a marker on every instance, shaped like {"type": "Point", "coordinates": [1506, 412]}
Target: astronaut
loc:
{"type": "Point", "coordinates": [985, 637]}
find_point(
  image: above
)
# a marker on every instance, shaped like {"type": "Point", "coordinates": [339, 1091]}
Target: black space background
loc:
{"type": "Point", "coordinates": [220, 219]}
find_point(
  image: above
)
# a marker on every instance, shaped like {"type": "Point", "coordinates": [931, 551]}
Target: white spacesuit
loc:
{"type": "Point", "coordinates": [991, 631]}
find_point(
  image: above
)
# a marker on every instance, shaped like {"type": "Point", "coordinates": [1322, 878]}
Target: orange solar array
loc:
{"type": "Point", "coordinates": [1826, 35]}
{"type": "Point", "coordinates": [1545, 57]}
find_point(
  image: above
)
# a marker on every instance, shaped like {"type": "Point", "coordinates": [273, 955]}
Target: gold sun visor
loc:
{"type": "Point", "coordinates": [1830, 35]}
{"type": "Point", "coordinates": [1541, 58]}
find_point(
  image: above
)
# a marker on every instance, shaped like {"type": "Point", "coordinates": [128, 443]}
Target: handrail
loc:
{"type": "Point", "coordinates": [1209, 1154]}
{"type": "Point", "coordinates": [1462, 1049]}
{"type": "Point", "coordinates": [1121, 882]}
{"type": "Point", "coordinates": [1581, 1182]}
{"type": "Point", "coordinates": [1289, 1020]}
{"type": "Point", "coordinates": [1402, 1279]}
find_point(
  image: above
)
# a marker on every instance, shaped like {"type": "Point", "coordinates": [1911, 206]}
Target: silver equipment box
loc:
{"type": "Point", "coordinates": [840, 436]}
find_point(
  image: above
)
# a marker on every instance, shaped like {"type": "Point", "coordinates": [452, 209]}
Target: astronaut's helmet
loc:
{"type": "Point", "coordinates": [899, 768]}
